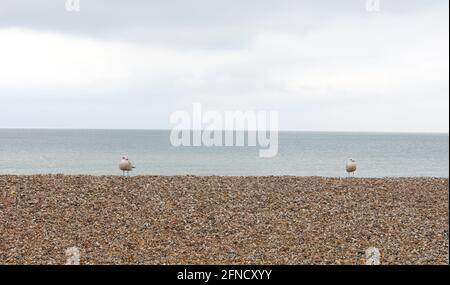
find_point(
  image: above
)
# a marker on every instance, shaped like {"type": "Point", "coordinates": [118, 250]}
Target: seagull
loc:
{"type": "Point", "coordinates": [125, 165]}
{"type": "Point", "coordinates": [350, 166]}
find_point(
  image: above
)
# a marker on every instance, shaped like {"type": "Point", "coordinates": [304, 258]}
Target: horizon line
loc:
{"type": "Point", "coordinates": [281, 130]}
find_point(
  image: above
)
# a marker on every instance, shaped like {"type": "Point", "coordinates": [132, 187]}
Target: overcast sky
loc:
{"type": "Point", "coordinates": [323, 65]}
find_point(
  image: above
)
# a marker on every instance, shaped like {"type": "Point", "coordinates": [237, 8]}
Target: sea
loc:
{"type": "Point", "coordinates": [98, 152]}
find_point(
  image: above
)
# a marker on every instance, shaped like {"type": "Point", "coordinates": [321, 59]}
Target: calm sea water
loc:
{"type": "Point", "coordinates": [300, 153]}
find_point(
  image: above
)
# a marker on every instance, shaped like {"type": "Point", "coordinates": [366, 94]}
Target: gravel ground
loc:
{"type": "Point", "coordinates": [222, 220]}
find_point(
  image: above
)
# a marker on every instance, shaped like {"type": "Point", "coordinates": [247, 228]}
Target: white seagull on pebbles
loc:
{"type": "Point", "coordinates": [350, 166]}
{"type": "Point", "coordinates": [125, 165]}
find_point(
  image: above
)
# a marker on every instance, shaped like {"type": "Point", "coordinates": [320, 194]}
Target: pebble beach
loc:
{"type": "Point", "coordinates": [223, 220]}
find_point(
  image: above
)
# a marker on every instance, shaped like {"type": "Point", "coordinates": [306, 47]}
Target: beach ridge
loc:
{"type": "Point", "coordinates": [223, 219]}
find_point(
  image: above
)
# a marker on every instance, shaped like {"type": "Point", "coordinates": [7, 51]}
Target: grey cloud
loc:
{"type": "Point", "coordinates": [194, 23]}
{"type": "Point", "coordinates": [316, 77]}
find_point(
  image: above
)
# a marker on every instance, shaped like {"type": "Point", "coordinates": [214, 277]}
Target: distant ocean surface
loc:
{"type": "Point", "coordinates": [97, 152]}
